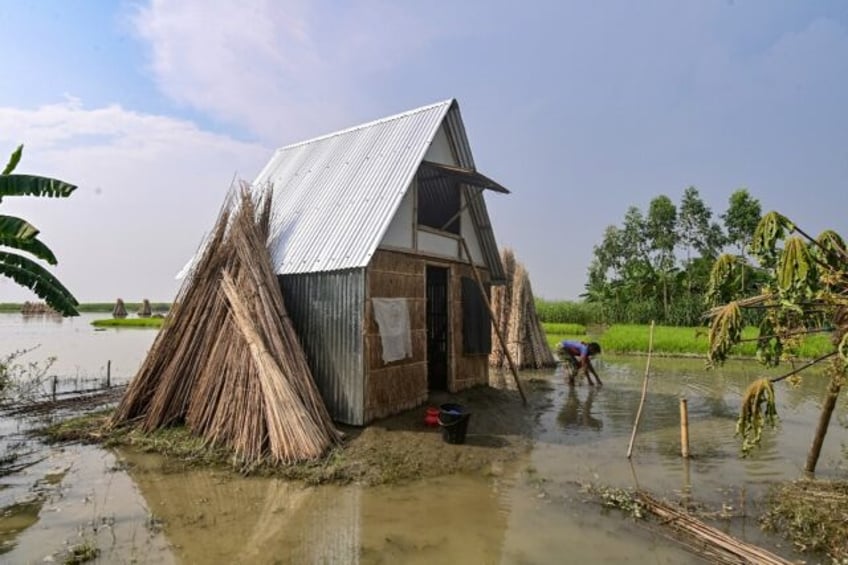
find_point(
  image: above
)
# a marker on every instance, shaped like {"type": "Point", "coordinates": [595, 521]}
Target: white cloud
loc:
{"type": "Point", "coordinates": [285, 70]}
{"type": "Point", "coordinates": [149, 187]}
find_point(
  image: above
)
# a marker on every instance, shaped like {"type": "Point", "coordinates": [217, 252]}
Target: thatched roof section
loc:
{"type": "Point", "coordinates": [227, 361]}
{"type": "Point", "coordinates": [515, 314]}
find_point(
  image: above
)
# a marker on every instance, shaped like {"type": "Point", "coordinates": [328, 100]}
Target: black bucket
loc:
{"type": "Point", "coordinates": [453, 419]}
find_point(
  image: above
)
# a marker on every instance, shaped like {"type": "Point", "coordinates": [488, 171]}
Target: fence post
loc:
{"type": "Point", "coordinates": [684, 429]}
{"type": "Point", "coordinates": [55, 383]}
{"type": "Point", "coordinates": [109, 373]}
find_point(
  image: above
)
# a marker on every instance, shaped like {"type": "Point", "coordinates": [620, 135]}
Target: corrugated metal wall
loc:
{"type": "Point", "coordinates": [327, 311]}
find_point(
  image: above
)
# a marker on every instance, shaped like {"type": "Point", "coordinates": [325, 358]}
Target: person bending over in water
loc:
{"type": "Point", "coordinates": [578, 354]}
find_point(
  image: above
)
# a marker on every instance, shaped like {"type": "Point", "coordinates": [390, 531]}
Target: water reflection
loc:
{"type": "Point", "coordinates": [578, 414]}
{"type": "Point", "coordinates": [513, 516]}
{"type": "Point", "coordinates": [218, 517]}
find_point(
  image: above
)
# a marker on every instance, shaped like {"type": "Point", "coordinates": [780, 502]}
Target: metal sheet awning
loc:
{"type": "Point", "coordinates": [430, 171]}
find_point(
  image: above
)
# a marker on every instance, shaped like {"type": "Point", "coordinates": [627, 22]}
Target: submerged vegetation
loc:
{"type": "Point", "coordinates": [812, 514]}
{"type": "Point", "coordinates": [153, 322]}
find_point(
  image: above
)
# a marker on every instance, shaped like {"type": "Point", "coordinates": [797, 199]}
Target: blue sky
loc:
{"type": "Point", "coordinates": [581, 108]}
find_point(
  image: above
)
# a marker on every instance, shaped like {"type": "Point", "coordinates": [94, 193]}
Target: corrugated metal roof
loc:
{"type": "Point", "coordinates": [335, 195]}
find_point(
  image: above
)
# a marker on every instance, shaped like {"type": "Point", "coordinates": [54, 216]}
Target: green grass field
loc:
{"type": "Point", "coordinates": [670, 340]}
{"type": "Point", "coordinates": [128, 323]}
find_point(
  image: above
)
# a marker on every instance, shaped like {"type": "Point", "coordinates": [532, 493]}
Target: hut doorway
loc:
{"type": "Point", "coordinates": [437, 328]}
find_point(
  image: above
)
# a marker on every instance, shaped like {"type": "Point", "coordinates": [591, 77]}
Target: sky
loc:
{"type": "Point", "coordinates": [581, 108]}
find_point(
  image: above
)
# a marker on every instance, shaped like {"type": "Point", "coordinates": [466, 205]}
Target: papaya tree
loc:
{"type": "Point", "coordinates": [805, 292]}
{"type": "Point", "coordinates": [20, 247]}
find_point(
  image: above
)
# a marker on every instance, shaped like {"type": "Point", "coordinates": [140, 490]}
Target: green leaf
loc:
{"type": "Point", "coordinates": [33, 246]}
{"type": "Point", "coordinates": [14, 159]}
{"type": "Point", "coordinates": [20, 234]}
{"type": "Point", "coordinates": [832, 249]}
{"type": "Point", "coordinates": [18, 228]}
{"type": "Point", "coordinates": [720, 275]}
{"type": "Point", "coordinates": [772, 227]}
{"type": "Point", "coordinates": [36, 278]}
{"type": "Point", "coordinates": [725, 332]}
{"type": "Point", "coordinates": [32, 185]}
{"type": "Point", "coordinates": [795, 269]}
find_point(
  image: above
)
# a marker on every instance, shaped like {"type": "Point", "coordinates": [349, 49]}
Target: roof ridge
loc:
{"type": "Point", "coordinates": [405, 114]}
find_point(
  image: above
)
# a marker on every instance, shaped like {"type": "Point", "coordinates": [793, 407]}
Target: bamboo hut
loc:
{"type": "Point", "coordinates": [514, 307]}
{"type": "Point", "coordinates": [368, 237]}
{"type": "Point", "coordinates": [227, 362]}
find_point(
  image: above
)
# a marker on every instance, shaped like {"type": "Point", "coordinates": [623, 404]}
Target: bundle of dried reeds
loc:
{"type": "Point", "coordinates": [706, 540]}
{"type": "Point", "coordinates": [119, 311]}
{"type": "Point", "coordinates": [515, 311]}
{"type": "Point", "coordinates": [227, 361]}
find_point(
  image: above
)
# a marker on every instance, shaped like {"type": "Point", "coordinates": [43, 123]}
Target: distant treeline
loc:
{"type": "Point", "coordinates": [656, 264]}
{"type": "Point", "coordinates": [15, 307]}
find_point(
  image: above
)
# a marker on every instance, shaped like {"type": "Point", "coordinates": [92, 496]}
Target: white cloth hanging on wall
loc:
{"type": "Point", "coordinates": [392, 316]}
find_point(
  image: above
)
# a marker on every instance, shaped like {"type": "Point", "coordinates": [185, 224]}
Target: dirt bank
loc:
{"type": "Point", "coordinates": [401, 447]}
{"type": "Point", "coordinates": [393, 450]}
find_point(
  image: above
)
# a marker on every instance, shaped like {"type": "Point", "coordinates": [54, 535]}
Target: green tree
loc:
{"type": "Point", "coordinates": [806, 292]}
{"type": "Point", "coordinates": [661, 230]}
{"type": "Point", "coordinates": [19, 235]}
{"type": "Point", "coordinates": [697, 232]}
{"type": "Point", "coordinates": [607, 263]}
{"type": "Point", "coordinates": [740, 221]}
{"type": "Point", "coordinates": [695, 227]}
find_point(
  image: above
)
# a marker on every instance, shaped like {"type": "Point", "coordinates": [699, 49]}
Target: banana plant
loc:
{"type": "Point", "coordinates": [20, 247]}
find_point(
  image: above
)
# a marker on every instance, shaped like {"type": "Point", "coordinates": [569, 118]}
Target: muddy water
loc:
{"type": "Point", "coordinates": [80, 350]}
{"type": "Point", "coordinates": [135, 508]}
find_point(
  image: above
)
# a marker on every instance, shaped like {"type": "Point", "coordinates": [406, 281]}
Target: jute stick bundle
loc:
{"type": "Point", "coordinates": [227, 362]}
{"type": "Point", "coordinates": [516, 318]}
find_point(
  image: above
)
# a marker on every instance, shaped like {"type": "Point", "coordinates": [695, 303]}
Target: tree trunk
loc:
{"type": "Point", "coordinates": [824, 421]}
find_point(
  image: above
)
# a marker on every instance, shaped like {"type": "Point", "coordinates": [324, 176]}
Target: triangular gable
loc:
{"type": "Point", "coordinates": [335, 196]}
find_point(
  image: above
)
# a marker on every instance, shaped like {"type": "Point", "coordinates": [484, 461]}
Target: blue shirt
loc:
{"type": "Point", "coordinates": [576, 348]}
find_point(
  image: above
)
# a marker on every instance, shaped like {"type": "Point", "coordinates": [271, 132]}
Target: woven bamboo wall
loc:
{"type": "Point", "coordinates": [393, 387]}
{"type": "Point", "coordinates": [465, 370]}
{"type": "Point", "coordinates": [400, 385]}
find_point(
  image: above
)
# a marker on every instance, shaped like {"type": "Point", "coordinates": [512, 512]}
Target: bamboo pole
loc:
{"type": "Point", "coordinates": [644, 391]}
{"type": "Point", "coordinates": [684, 429]}
{"type": "Point", "coordinates": [824, 421]}
{"type": "Point", "coordinates": [494, 320]}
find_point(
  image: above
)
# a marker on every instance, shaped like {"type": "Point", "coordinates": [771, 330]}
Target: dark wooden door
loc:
{"type": "Point", "coordinates": [437, 328]}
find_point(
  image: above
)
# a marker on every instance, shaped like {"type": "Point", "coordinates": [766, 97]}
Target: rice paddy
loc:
{"type": "Point", "coordinates": [669, 340]}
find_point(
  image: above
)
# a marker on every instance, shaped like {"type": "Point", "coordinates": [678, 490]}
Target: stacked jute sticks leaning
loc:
{"type": "Point", "coordinates": [227, 363]}
{"type": "Point", "coordinates": [515, 315]}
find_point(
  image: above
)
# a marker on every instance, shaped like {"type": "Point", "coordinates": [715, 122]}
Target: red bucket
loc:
{"type": "Point", "coordinates": [431, 417]}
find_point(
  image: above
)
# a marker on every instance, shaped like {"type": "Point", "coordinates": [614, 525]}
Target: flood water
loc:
{"type": "Point", "coordinates": [532, 510]}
